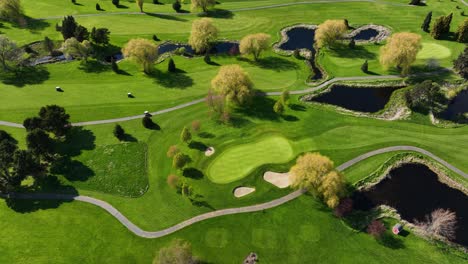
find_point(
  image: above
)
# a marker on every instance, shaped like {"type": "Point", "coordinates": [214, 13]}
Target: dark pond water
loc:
{"type": "Point", "coordinates": [369, 99]}
{"type": "Point", "coordinates": [415, 191]}
{"type": "Point", "coordinates": [218, 48]}
{"type": "Point", "coordinates": [366, 34]}
{"type": "Point", "coordinates": [457, 108]}
{"type": "Point", "coordinates": [299, 38]}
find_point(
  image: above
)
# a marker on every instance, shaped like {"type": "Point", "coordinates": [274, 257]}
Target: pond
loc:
{"type": "Point", "coordinates": [457, 108]}
{"type": "Point", "coordinates": [366, 34]}
{"type": "Point", "coordinates": [415, 191]}
{"type": "Point", "coordinates": [365, 99]}
{"type": "Point", "coordinates": [299, 38]}
{"type": "Point", "coordinates": [218, 48]}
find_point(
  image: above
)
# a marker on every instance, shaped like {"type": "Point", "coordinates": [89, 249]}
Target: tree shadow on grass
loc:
{"type": "Point", "coordinates": [93, 67]}
{"type": "Point", "coordinates": [358, 52]}
{"type": "Point", "coordinates": [167, 17]}
{"type": "Point", "coordinates": [31, 24]}
{"type": "Point", "coordinates": [129, 138]}
{"type": "Point", "coordinates": [25, 76]}
{"type": "Point", "coordinates": [206, 135]}
{"type": "Point", "coordinates": [273, 63]}
{"type": "Point", "coordinates": [290, 118]}
{"type": "Point", "coordinates": [220, 13]}
{"type": "Point", "coordinates": [297, 107]}
{"type": "Point", "coordinates": [174, 80]}
{"type": "Point", "coordinates": [197, 145]}
{"type": "Point", "coordinates": [193, 173]}
{"type": "Point", "coordinates": [72, 170]}
{"type": "Point", "coordinates": [122, 6]}
{"type": "Point", "coordinates": [391, 241]}
{"type": "Point", "coordinates": [261, 107]}
{"type": "Point", "coordinates": [77, 139]}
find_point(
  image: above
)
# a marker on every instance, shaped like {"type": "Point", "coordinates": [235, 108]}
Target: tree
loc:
{"type": "Point", "coordinates": [285, 97]}
{"type": "Point", "coordinates": [329, 32]}
{"type": "Point", "coordinates": [143, 52]}
{"type": "Point", "coordinates": [39, 143]}
{"type": "Point", "coordinates": [100, 35]}
{"type": "Point", "coordinates": [68, 28]}
{"type": "Point", "coordinates": [48, 45]}
{"type": "Point", "coordinates": [415, 2]}
{"type": "Point", "coordinates": [116, 2]}
{"type": "Point", "coordinates": [114, 66]}
{"type": "Point", "coordinates": [172, 151]}
{"type": "Point", "coordinates": [98, 7]}
{"type": "Point", "coordinates": [442, 223]}
{"type": "Point", "coordinates": [119, 132]}
{"type": "Point", "coordinates": [179, 160]}
{"type": "Point", "coordinates": [427, 22]}
{"type": "Point", "coordinates": [171, 67]}
{"type": "Point", "coordinates": [196, 126]}
{"type": "Point", "coordinates": [461, 64]}
{"type": "Point", "coordinates": [400, 51]}
{"type": "Point", "coordinates": [73, 48]}
{"type": "Point", "coordinates": [278, 108]}
{"type": "Point", "coordinates": [344, 207]}
{"type": "Point", "coordinates": [32, 123]}
{"type": "Point", "coordinates": [177, 6]}
{"type": "Point", "coordinates": [254, 44]}
{"type": "Point", "coordinates": [426, 96]}
{"type": "Point", "coordinates": [346, 22]}
{"type": "Point", "coordinates": [365, 67]}
{"type": "Point", "coordinates": [352, 44]}
{"type": "Point", "coordinates": [185, 135]}
{"type": "Point", "coordinates": [10, 10]}
{"type": "Point", "coordinates": [81, 33]}
{"type": "Point", "coordinates": [147, 122]}
{"type": "Point", "coordinates": [9, 52]}
{"type": "Point", "coordinates": [207, 58]}
{"type": "Point", "coordinates": [54, 120]}
{"type": "Point", "coordinates": [438, 28]}
{"type": "Point", "coordinates": [172, 181]}
{"type": "Point", "coordinates": [202, 4]}
{"type": "Point", "coordinates": [376, 228]}
{"type": "Point", "coordinates": [202, 34]}
{"type": "Point", "coordinates": [179, 252]}
{"type": "Point", "coordinates": [234, 84]}
{"type": "Point", "coordinates": [140, 4]}
{"type": "Point", "coordinates": [462, 31]}
{"type": "Point", "coordinates": [446, 24]}
{"type": "Point", "coordinates": [316, 174]}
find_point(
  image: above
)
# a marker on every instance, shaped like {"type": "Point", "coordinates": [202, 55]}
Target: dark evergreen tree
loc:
{"type": "Point", "coordinates": [177, 6]}
{"type": "Point", "coordinates": [461, 64]}
{"type": "Point", "coordinates": [171, 67]}
{"type": "Point", "coordinates": [81, 33]}
{"type": "Point", "coordinates": [446, 24]}
{"type": "Point", "coordinates": [207, 58]}
{"type": "Point", "coordinates": [55, 119]}
{"type": "Point", "coordinates": [68, 28]}
{"type": "Point", "coordinates": [426, 96]}
{"type": "Point", "coordinates": [48, 45]}
{"type": "Point", "coordinates": [365, 67]}
{"type": "Point", "coordinates": [427, 22]}
{"type": "Point", "coordinates": [32, 123]}
{"type": "Point", "coordinates": [116, 2]}
{"type": "Point", "coordinates": [147, 122]}
{"type": "Point", "coordinates": [40, 144]}
{"type": "Point", "coordinates": [98, 7]}
{"type": "Point", "coordinates": [100, 35]}
{"type": "Point", "coordinates": [415, 2]}
{"type": "Point", "coordinates": [437, 30]}
{"type": "Point", "coordinates": [119, 132]}
{"type": "Point", "coordinates": [462, 32]}
{"type": "Point", "coordinates": [155, 38]}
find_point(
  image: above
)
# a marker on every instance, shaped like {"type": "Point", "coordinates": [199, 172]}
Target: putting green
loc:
{"type": "Point", "coordinates": [235, 163]}
{"type": "Point", "coordinates": [433, 51]}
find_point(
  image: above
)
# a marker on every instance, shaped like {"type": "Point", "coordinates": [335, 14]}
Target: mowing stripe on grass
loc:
{"type": "Point", "coordinates": [235, 163]}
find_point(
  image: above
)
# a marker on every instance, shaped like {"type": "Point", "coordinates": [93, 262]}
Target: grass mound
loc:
{"type": "Point", "coordinates": [235, 163]}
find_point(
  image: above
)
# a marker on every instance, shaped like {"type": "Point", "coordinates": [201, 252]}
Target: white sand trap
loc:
{"type": "Point", "coordinates": [280, 180]}
{"type": "Point", "coordinates": [209, 151]}
{"type": "Point", "coordinates": [243, 191]}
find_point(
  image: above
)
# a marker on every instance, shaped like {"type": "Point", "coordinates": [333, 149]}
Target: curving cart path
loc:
{"type": "Point", "coordinates": [247, 209]}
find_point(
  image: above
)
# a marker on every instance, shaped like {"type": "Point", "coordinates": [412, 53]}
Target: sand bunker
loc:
{"type": "Point", "coordinates": [243, 191]}
{"type": "Point", "coordinates": [209, 151]}
{"type": "Point", "coordinates": [280, 180]}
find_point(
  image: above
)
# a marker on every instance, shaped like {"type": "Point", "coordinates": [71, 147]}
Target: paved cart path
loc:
{"type": "Point", "coordinates": [247, 209]}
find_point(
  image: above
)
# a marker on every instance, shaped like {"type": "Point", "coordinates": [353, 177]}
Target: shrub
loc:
{"type": "Point", "coordinates": [172, 181]}
{"type": "Point", "coordinates": [185, 135]}
{"type": "Point", "coordinates": [344, 207]}
{"type": "Point", "coordinates": [376, 228]}
{"type": "Point", "coordinates": [119, 132]}
{"type": "Point", "coordinates": [155, 38]}
{"type": "Point", "coordinates": [177, 6]}
{"type": "Point", "coordinates": [180, 160]}
{"type": "Point", "coordinates": [171, 67]}
{"type": "Point", "coordinates": [426, 96]}
{"type": "Point", "coordinates": [365, 67]}
{"type": "Point", "coordinates": [196, 126]}
{"type": "Point", "coordinates": [207, 58]}
{"type": "Point", "coordinates": [172, 151]}
{"type": "Point", "coordinates": [297, 54]}
{"type": "Point", "coordinates": [180, 51]}
{"type": "Point", "coordinates": [98, 7]}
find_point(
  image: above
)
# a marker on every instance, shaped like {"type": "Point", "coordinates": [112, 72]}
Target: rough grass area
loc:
{"type": "Point", "coordinates": [235, 163]}
{"type": "Point", "coordinates": [118, 169]}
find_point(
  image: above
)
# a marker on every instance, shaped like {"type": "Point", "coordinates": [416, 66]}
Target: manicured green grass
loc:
{"type": "Point", "coordinates": [235, 163]}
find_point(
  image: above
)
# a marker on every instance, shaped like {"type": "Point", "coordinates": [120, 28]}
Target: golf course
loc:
{"type": "Point", "coordinates": [110, 154]}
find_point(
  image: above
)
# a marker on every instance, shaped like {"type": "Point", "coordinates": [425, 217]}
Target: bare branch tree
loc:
{"type": "Point", "coordinates": [441, 223]}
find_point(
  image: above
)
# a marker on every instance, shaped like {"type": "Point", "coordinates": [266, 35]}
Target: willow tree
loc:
{"type": "Point", "coordinates": [202, 4]}
{"type": "Point", "coordinates": [400, 51]}
{"type": "Point", "coordinates": [142, 51]}
{"type": "Point", "coordinates": [10, 10]}
{"type": "Point", "coordinates": [234, 84]}
{"type": "Point", "coordinates": [329, 32]}
{"type": "Point", "coordinates": [73, 48]}
{"type": "Point", "coordinates": [316, 174]}
{"type": "Point", "coordinates": [254, 44]}
{"type": "Point", "coordinates": [202, 34]}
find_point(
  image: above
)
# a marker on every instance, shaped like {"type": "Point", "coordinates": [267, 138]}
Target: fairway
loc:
{"type": "Point", "coordinates": [235, 163]}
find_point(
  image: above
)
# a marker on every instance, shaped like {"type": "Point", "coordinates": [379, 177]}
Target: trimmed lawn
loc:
{"type": "Point", "coordinates": [235, 163]}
